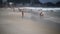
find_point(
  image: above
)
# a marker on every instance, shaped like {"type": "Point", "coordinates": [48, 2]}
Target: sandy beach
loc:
{"type": "Point", "coordinates": [13, 23]}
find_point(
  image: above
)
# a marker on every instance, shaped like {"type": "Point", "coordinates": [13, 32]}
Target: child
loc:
{"type": "Point", "coordinates": [41, 14]}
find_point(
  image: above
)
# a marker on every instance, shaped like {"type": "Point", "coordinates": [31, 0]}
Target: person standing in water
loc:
{"type": "Point", "coordinates": [22, 13]}
{"type": "Point", "coordinates": [41, 13]}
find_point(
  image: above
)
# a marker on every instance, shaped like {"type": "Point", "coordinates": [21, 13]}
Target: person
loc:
{"type": "Point", "coordinates": [41, 14]}
{"type": "Point", "coordinates": [22, 14]}
{"type": "Point", "coordinates": [22, 11]}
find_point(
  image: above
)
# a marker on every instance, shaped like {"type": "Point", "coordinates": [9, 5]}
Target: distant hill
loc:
{"type": "Point", "coordinates": [0, 3]}
{"type": "Point", "coordinates": [35, 3]}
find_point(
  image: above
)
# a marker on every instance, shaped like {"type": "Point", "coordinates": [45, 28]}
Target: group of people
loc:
{"type": "Point", "coordinates": [22, 11]}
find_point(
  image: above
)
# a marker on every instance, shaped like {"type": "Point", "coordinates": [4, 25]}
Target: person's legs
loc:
{"type": "Point", "coordinates": [22, 14]}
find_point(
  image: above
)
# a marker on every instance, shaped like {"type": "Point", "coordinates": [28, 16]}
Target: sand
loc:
{"type": "Point", "coordinates": [12, 23]}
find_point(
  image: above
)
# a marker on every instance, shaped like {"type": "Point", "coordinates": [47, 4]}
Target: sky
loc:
{"type": "Point", "coordinates": [45, 1]}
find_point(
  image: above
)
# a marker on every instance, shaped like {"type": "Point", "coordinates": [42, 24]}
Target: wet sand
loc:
{"type": "Point", "coordinates": [13, 23]}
